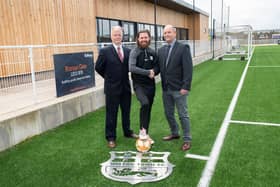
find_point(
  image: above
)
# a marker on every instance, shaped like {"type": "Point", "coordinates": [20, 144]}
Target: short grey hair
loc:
{"type": "Point", "coordinates": [170, 26]}
{"type": "Point", "coordinates": [117, 27]}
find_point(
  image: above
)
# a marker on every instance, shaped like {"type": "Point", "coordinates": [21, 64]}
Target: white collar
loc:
{"type": "Point", "coordinates": [116, 46]}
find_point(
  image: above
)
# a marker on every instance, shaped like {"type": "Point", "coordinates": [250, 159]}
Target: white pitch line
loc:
{"type": "Point", "coordinates": [209, 169]}
{"type": "Point", "coordinates": [198, 157]}
{"type": "Point", "coordinates": [254, 123]}
{"type": "Point", "coordinates": [264, 66]}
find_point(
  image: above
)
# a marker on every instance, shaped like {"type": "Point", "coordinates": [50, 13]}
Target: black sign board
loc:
{"type": "Point", "coordinates": [73, 72]}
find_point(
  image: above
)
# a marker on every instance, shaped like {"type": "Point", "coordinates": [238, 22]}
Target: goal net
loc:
{"type": "Point", "coordinates": [238, 42]}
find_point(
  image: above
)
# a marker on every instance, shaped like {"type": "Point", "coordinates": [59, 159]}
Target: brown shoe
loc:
{"type": "Point", "coordinates": [170, 137]}
{"type": "Point", "coordinates": [186, 146]}
{"type": "Point", "coordinates": [112, 144]}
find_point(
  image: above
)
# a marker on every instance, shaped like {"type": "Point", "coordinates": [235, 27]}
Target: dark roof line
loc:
{"type": "Point", "coordinates": [180, 5]}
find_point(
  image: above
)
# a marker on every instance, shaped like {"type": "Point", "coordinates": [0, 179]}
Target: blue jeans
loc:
{"type": "Point", "coordinates": [170, 99]}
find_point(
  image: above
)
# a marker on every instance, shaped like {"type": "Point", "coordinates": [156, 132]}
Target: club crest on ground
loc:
{"type": "Point", "coordinates": [135, 167]}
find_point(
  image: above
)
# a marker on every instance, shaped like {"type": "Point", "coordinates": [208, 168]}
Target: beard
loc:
{"type": "Point", "coordinates": [144, 44]}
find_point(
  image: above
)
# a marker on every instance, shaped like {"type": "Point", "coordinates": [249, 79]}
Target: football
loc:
{"type": "Point", "coordinates": [143, 145]}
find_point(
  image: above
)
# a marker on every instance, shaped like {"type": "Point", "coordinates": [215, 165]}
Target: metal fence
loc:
{"type": "Point", "coordinates": [266, 41]}
{"type": "Point", "coordinates": [27, 72]}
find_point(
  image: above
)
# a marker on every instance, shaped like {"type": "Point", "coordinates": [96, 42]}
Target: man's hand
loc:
{"type": "Point", "coordinates": [184, 92]}
{"type": "Point", "coordinates": [152, 74]}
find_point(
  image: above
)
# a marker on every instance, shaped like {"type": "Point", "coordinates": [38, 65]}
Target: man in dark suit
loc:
{"type": "Point", "coordinates": [176, 76]}
{"type": "Point", "coordinates": [112, 65]}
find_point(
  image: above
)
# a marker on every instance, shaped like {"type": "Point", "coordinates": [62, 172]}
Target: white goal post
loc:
{"type": "Point", "coordinates": [238, 42]}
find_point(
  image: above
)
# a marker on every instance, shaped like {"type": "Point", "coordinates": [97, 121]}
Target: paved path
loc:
{"type": "Point", "coordinates": [17, 100]}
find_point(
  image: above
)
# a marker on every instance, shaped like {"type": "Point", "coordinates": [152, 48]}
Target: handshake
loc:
{"type": "Point", "coordinates": [152, 74]}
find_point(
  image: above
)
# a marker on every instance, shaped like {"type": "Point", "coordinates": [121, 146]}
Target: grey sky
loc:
{"type": "Point", "coordinates": [257, 13]}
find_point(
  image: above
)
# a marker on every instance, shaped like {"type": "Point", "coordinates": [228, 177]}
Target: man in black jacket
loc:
{"type": "Point", "coordinates": [176, 76]}
{"type": "Point", "coordinates": [143, 64]}
{"type": "Point", "coordinates": [112, 65]}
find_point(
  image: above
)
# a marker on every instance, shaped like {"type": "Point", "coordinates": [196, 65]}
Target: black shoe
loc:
{"type": "Point", "coordinates": [135, 136]}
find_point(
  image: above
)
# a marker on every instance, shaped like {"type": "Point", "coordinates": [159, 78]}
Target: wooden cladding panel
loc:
{"type": "Point", "coordinates": [16, 61]}
{"type": "Point", "coordinates": [203, 28]}
{"type": "Point", "coordinates": [35, 22]}
{"type": "Point", "coordinates": [139, 11]}
{"type": "Point", "coordinates": [28, 22]}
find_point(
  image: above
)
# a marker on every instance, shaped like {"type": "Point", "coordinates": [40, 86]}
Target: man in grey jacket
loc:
{"type": "Point", "coordinates": [176, 76]}
{"type": "Point", "coordinates": [143, 65]}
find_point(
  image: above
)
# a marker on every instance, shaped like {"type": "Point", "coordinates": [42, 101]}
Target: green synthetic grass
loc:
{"type": "Point", "coordinates": [259, 100]}
{"type": "Point", "coordinates": [250, 157]}
{"type": "Point", "coordinates": [266, 56]}
{"type": "Point", "coordinates": [250, 154]}
{"type": "Point", "coordinates": [70, 155]}
{"type": "Point", "coordinates": [213, 87]}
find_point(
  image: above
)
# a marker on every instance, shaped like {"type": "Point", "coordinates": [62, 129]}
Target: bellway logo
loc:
{"type": "Point", "coordinates": [88, 55]}
{"type": "Point", "coordinates": [135, 167]}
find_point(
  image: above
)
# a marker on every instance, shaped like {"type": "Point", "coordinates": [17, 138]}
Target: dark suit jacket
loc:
{"type": "Point", "coordinates": [114, 72]}
{"type": "Point", "coordinates": [178, 73]}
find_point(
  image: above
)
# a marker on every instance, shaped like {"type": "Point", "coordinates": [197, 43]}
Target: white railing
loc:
{"type": "Point", "coordinates": [265, 41]}
{"type": "Point", "coordinates": [27, 72]}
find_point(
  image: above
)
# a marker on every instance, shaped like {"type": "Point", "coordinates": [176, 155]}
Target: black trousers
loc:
{"type": "Point", "coordinates": [145, 96]}
{"type": "Point", "coordinates": [112, 105]}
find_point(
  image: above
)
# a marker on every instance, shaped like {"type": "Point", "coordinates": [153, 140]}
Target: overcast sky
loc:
{"type": "Point", "coordinates": [257, 13]}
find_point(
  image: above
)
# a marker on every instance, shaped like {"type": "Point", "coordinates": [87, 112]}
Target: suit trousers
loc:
{"type": "Point", "coordinates": [112, 105]}
{"type": "Point", "coordinates": [170, 100]}
{"type": "Point", "coordinates": [145, 96]}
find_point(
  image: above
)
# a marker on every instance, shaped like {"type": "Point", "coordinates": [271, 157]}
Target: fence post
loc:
{"type": "Point", "coordinates": [30, 56]}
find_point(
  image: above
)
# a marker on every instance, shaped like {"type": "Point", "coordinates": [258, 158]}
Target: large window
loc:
{"type": "Point", "coordinates": [182, 34]}
{"type": "Point", "coordinates": [150, 27]}
{"type": "Point", "coordinates": [130, 30]}
{"type": "Point", "coordinates": [152, 31]}
{"type": "Point", "coordinates": [104, 29]}
{"type": "Point", "coordinates": [160, 33]}
{"type": "Point", "coordinates": [140, 27]}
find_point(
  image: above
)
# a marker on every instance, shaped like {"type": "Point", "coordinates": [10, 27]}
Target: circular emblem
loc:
{"type": "Point", "coordinates": [135, 167]}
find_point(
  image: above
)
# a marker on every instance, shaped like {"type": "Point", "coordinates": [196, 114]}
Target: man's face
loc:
{"type": "Point", "coordinates": [144, 40]}
{"type": "Point", "coordinates": [116, 36]}
{"type": "Point", "coordinates": [169, 34]}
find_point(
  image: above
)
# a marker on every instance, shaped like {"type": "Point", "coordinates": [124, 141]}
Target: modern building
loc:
{"type": "Point", "coordinates": [36, 22]}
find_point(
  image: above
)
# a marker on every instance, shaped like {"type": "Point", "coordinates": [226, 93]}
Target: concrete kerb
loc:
{"type": "Point", "coordinates": [35, 120]}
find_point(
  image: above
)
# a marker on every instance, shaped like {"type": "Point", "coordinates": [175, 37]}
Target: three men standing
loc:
{"type": "Point", "coordinates": [174, 63]}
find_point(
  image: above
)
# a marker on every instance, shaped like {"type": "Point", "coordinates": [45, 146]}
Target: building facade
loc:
{"type": "Point", "coordinates": [44, 22]}
{"type": "Point", "coordinates": [34, 22]}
